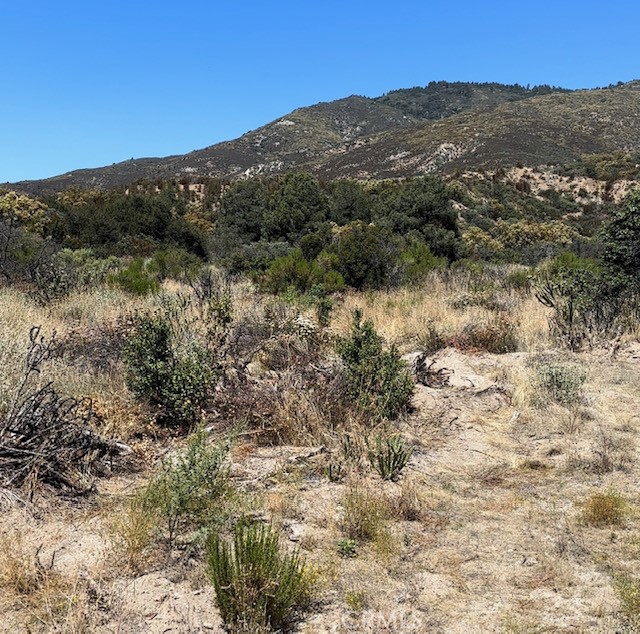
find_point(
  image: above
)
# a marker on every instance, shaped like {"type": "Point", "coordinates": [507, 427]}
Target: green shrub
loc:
{"type": "Point", "coordinates": [389, 455]}
{"type": "Point", "coordinates": [177, 382]}
{"type": "Point", "coordinates": [519, 280]}
{"type": "Point", "coordinates": [347, 548]}
{"type": "Point", "coordinates": [417, 261]}
{"type": "Point", "coordinates": [622, 241]}
{"type": "Point", "coordinates": [70, 270]}
{"type": "Point", "coordinates": [176, 264]}
{"type": "Point", "coordinates": [258, 588]}
{"type": "Point", "coordinates": [186, 492]}
{"type": "Point", "coordinates": [364, 254]}
{"type": "Point", "coordinates": [561, 381]}
{"type": "Point", "coordinates": [294, 271]}
{"type": "Point", "coordinates": [378, 379]}
{"type": "Point", "coordinates": [587, 303]}
{"type": "Point", "coordinates": [135, 279]}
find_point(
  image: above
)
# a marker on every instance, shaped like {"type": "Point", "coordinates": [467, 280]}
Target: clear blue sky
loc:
{"type": "Point", "coordinates": [95, 82]}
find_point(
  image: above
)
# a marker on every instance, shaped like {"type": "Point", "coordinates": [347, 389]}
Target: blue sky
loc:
{"type": "Point", "coordinates": [91, 83]}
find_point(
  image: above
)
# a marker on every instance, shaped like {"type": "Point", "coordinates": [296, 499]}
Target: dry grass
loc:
{"type": "Point", "coordinates": [132, 534]}
{"type": "Point", "coordinates": [461, 543]}
{"type": "Point", "coordinates": [404, 316]}
{"type": "Point", "coordinates": [49, 600]}
{"type": "Point", "coordinates": [366, 512]}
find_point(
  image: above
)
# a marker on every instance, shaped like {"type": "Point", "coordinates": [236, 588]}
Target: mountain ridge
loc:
{"type": "Point", "coordinates": [406, 132]}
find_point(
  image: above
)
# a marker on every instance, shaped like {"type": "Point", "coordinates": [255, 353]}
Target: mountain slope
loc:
{"type": "Point", "coordinates": [443, 126]}
{"type": "Point", "coordinates": [555, 128]}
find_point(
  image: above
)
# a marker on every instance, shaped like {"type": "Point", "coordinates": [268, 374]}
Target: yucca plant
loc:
{"type": "Point", "coordinates": [389, 455]}
{"type": "Point", "coordinates": [258, 588]}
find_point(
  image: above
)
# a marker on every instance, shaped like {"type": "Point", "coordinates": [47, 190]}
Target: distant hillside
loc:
{"type": "Point", "coordinates": [441, 127]}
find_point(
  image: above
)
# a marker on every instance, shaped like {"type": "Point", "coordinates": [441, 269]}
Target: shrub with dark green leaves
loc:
{"type": "Point", "coordinates": [176, 382]}
{"type": "Point", "coordinates": [379, 380]}
{"type": "Point", "coordinates": [258, 587]}
{"type": "Point", "coordinates": [389, 455]}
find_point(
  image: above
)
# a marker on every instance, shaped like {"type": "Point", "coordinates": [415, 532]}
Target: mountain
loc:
{"type": "Point", "coordinates": [441, 127]}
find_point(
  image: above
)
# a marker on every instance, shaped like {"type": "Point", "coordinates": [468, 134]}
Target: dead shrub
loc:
{"type": "Point", "coordinates": [496, 336]}
{"type": "Point", "coordinates": [605, 509]}
{"type": "Point", "coordinates": [47, 438]}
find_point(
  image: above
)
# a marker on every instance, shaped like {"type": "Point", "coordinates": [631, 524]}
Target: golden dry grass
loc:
{"type": "Point", "coordinates": [402, 316]}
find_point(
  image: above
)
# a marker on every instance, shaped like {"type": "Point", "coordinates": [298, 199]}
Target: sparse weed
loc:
{"type": "Point", "coordinates": [356, 600]}
{"type": "Point", "coordinates": [429, 340]}
{"type": "Point", "coordinates": [53, 601]}
{"type": "Point", "coordinates": [628, 591]}
{"type": "Point", "coordinates": [133, 533]}
{"type": "Point", "coordinates": [347, 548]}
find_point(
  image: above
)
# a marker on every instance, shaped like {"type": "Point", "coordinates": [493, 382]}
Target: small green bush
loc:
{"type": "Point", "coordinates": [258, 588]}
{"type": "Point", "coordinates": [186, 492]}
{"type": "Point", "coordinates": [378, 379]}
{"type": "Point", "coordinates": [389, 455]}
{"type": "Point", "coordinates": [561, 381]}
{"type": "Point", "coordinates": [347, 548]}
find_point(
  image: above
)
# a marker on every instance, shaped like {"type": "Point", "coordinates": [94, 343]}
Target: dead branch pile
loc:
{"type": "Point", "coordinates": [45, 437]}
{"type": "Point", "coordinates": [427, 375]}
